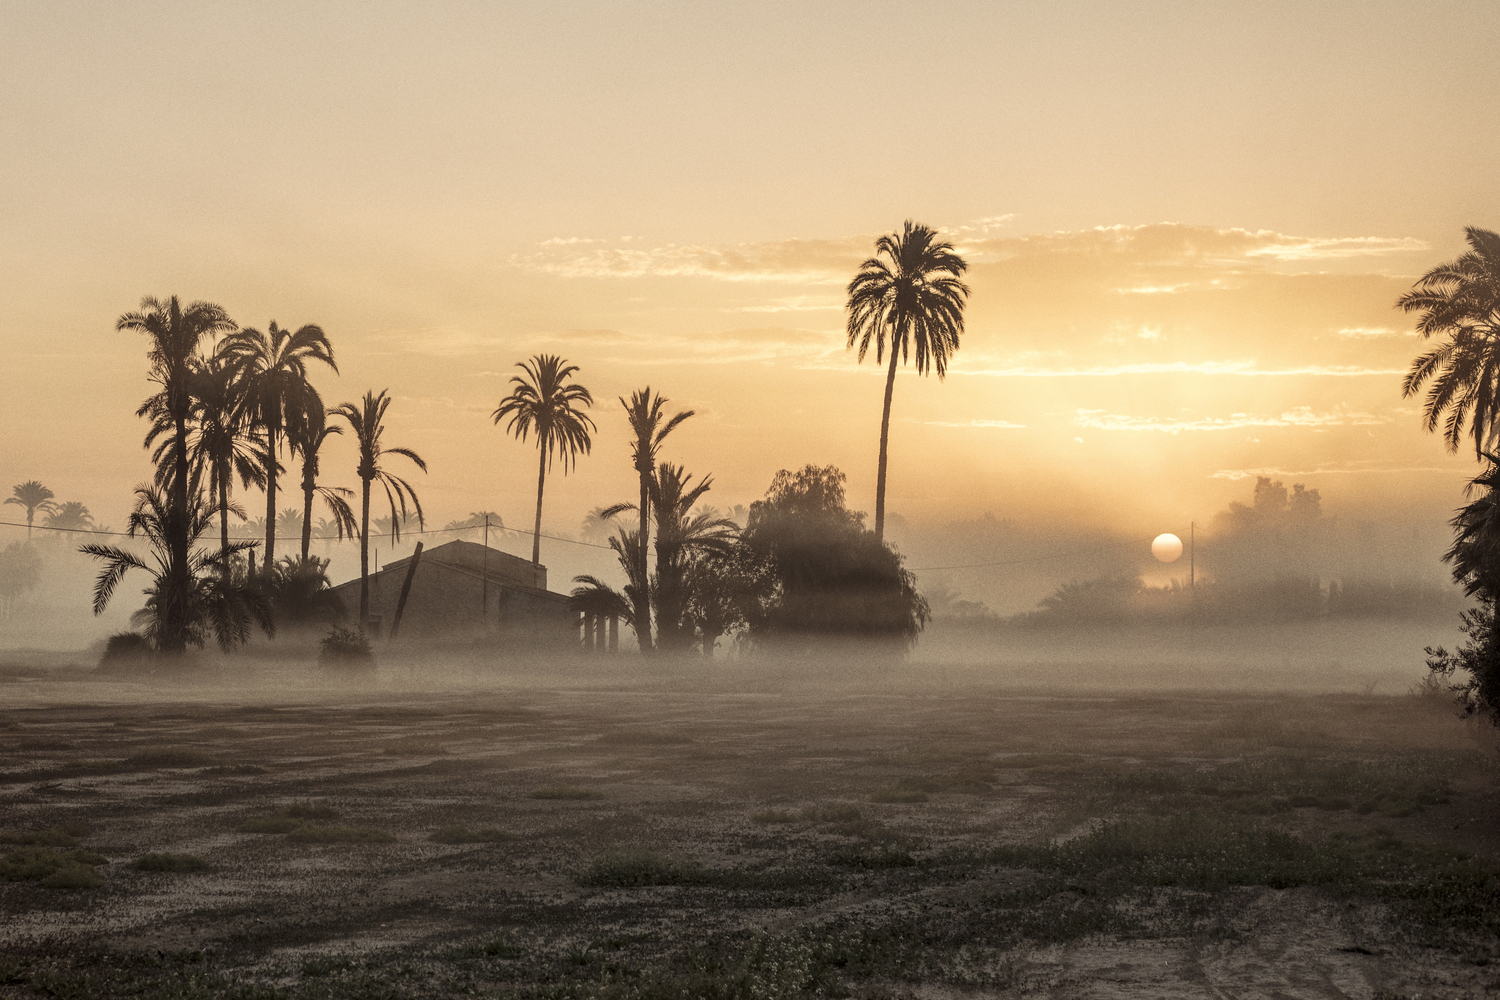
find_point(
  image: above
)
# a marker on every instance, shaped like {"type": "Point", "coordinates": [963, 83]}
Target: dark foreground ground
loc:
{"type": "Point", "coordinates": [603, 837]}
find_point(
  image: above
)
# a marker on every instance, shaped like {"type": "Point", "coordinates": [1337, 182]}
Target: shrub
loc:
{"type": "Point", "coordinates": [346, 649]}
{"type": "Point", "coordinates": [635, 867]}
{"type": "Point", "coordinates": [125, 652]}
{"type": "Point", "coordinates": [52, 868]}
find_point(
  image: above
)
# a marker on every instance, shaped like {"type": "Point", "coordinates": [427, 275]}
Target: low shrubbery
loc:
{"type": "Point", "coordinates": [346, 649]}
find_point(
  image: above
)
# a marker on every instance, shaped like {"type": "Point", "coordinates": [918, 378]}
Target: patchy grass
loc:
{"type": "Point", "coordinates": [634, 867]}
{"type": "Point", "coordinates": [309, 834]}
{"type": "Point", "coordinates": [641, 737]}
{"type": "Point", "coordinates": [415, 748]}
{"type": "Point", "coordinates": [897, 795]}
{"type": "Point", "coordinates": [285, 819]}
{"type": "Point", "coordinates": [52, 868]}
{"type": "Point", "coordinates": [243, 770]}
{"type": "Point", "coordinates": [773, 816]}
{"type": "Point", "coordinates": [166, 757]}
{"type": "Point", "coordinates": [457, 833]}
{"type": "Point", "coordinates": [65, 834]}
{"type": "Point", "coordinates": [170, 863]}
{"type": "Point", "coordinates": [573, 793]}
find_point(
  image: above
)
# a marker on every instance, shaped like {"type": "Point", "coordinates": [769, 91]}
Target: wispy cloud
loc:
{"type": "Point", "coordinates": [1301, 416]}
{"type": "Point", "coordinates": [1235, 475]}
{"type": "Point", "coordinates": [995, 424]}
{"type": "Point", "coordinates": [1247, 368]}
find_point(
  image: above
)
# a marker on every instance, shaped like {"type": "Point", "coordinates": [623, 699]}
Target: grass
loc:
{"type": "Point", "coordinates": [573, 793]}
{"type": "Point", "coordinates": [415, 748]}
{"type": "Point", "coordinates": [170, 863]}
{"type": "Point", "coordinates": [65, 834]}
{"type": "Point", "coordinates": [773, 816]}
{"type": "Point", "coordinates": [635, 867]}
{"type": "Point", "coordinates": [309, 834]}
{"type": "Point", "coordinates": [166, 757]}
{"type": "Point", "coordinates": [285, 819]}
{"type": "Point", "coordinates": [457, 833]}
{"type": "Point", "coordinates": [52, 868]}
{"type": "Point", "coordinates": [897, 795]}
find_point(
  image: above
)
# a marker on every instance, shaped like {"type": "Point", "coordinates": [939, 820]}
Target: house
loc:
{"type": "Point", "coordinates": [466, 592]}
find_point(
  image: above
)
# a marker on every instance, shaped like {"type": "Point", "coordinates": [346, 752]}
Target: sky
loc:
{"type": "Point", "coordinates": [1186, 226]}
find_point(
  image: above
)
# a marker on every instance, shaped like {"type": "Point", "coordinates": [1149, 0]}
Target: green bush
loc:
{"type": "Point", "coordinates": [346, 649]}
{"type": "Point", "coordinates": [52, 868]}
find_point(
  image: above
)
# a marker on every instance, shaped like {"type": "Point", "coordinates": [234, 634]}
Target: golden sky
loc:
{"type": "Point", "coordinates": [1186, 224]}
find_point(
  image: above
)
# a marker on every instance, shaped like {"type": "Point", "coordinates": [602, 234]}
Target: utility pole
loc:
{"type": "Point", "coordinates": [1192, 555]}
{"type": "Point", "coordinates": [485, 587]}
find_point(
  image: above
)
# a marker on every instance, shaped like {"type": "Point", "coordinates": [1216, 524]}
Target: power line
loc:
{"type": "Point", "coordinates": [298, 538]}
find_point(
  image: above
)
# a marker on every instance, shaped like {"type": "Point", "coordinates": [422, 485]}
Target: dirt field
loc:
{"type": "Point", "coordinates": [754, 835]}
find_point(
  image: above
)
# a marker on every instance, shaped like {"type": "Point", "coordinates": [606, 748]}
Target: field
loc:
{"type": "Point", "coordinates": [749, 833]}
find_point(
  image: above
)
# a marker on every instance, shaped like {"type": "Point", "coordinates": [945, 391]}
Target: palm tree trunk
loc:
{"type": "Point", "coordinates": [224, 523]}
{"type": "Point", "coordinates": [174, 635]}
{"type": "Point", "coordinates": [541, 479]}
{"type": "Point", "coordinates": [309, 484]}
{"type": "Point", "coordinates": [364, 559]}
{"type": "Point", "coordinates": [270, 499]}
{"type": "Point", "coordinates": [885, 432]}
{"type": "Point", "coordinates": [643, 600]}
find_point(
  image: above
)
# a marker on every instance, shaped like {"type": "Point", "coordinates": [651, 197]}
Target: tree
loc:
{"type": "Point", "coordinates": [306, 438]}
{"type": "Point", "coordinates": [646, 412]}
{"type": "Point", "coordinates": [174, 335]}
{"type": "Point", "coordinates": [277, 392]}
{"type": "Point", "coordinates": [34, 497]}
{"type": "Point", "coordinates": [366, 420]}
{"type": "Point", "coordinates": [1475, 557]}
{"type": "Point", "coordinates": [70, 516]}
{"type": "Point", "coordinates": [595, 597]}
{"type": "Point", "coordinates": [213, 603]}
{"type": "Point", "coordinates": [20, 571]}
{"type": "Point", "coordinates": [912, 302]}
{"type": "Point", "coordinates": [1462, 300]}
{"type": "Point", "coordinates": [544, 401]}
{"type": "Point", "coordinates": [836, 579]}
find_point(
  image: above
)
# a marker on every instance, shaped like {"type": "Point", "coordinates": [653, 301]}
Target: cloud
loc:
{"type": "Point", "coordinates": [1300, 416]}
{"type": "Point", "coordinates": [996, 424]}
{"type": "Point", "coordinates": [1247, 368]}
{"type": "Point", "coordinates": [1235, 475]}
{"type": "Point", "coordinates": [792, 261]}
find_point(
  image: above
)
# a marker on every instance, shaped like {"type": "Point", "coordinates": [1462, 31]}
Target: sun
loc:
{"type": "Point", "coordinates": [1166, 548]}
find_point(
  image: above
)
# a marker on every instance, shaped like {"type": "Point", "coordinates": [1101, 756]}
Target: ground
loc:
{"type": "Point", "coordinates": [737, 831]}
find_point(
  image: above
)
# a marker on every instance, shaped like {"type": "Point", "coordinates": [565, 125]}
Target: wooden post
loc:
{"type": "Point", "coordinates": [614, 633]}
{"type": "Point", "coordinates": [411, 571]}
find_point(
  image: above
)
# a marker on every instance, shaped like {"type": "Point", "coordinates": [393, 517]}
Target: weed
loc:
{"type": "Point", "coordinates": [170, 863]}
{"type": "Point", "coordinates": [633, 867]}
{"type": "Point", "coordinates": [457, 833]}
{"type": "Point", "coordinates": [567, 792]}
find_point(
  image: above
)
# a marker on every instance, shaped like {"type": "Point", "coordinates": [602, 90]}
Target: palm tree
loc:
{"type": "Point", "coordinates": [596, 597]}
{"type": "Point", "coordinates": [277, 391]}
{"type": "Point", "coordinates": [645, 411]}
{"type": "Point", "coordinates": [175, 334]}
{"type": "Point", "coordinates": [680, 534]}
{"type": "Point", "coordinates": [366, 421]}
{"type": "Point", "coordinates": [911, 303]}
{"type": "Point", "coordinates": [306, 438]}
{"type": "Point", "coordinates": [34, 497]}
{"type": "Point", "coordinates": [213, 601]}
{"type": "Point", "coordinates": [545, 401]}
{"type": "Point", "coordinates": [1460, 299]}
{"type": "Point", "coordinates": [70, 516]}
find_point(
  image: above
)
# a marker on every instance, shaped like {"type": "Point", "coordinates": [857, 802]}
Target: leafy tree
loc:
{"type": "Point", "coordinates": [20, 571]}
{"type": "Point", "coordinates": [1475, 557]}
{"type": "Point", "coordinates": [910, 302]}
{"type": "Point", "coordinates": [649, 426]}
{"type": "Point", "coordinates": [836, 580]}
{"type": "Point", "coordinates": [175, 334]}
{"type": "Point", "coordinates": [544, 401]}
{"type": "Point", "coordinates": [212, 602]}
{"type": "Point", "coordinates": [34, 497]}
{"type": "Point", "coordinates": [276, 390]}
{"type": "Point", "coordinates": [729, 591]}
{"type": "Point", "coordinates": [301, 592]}
{"type": "Point", "coordinates": [367, 421]}
{"type": "Point", "coordinates": [1460, 299]}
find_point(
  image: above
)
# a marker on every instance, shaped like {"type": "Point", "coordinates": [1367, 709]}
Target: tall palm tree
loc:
{"type": "Point", "coordinates": [223, 443]}
{"type": "Point", "coordinates": [646, 412]}
{"type": "Point", "coordinates": [306, 438]}
{"type": "Point", "coordinates": [70, 516]}
{"type": "Point", "coordinates": [34, 497]}
{"type": "Point", "coordinates": [1460, 299]}
{"type": "Point", "coordinates": [366, 420]}
{"type": "Point", "coordinates": [910, 302]}
{"type": "Point", "coordinates": [175, 334]}
{"type": "Point", "coordinates": [274, 367]}
{"type": "Point", "coordinates": [544, 401]}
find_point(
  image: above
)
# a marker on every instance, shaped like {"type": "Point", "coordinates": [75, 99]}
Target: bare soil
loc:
{"type": "Point", "coordinates": [672, 835]}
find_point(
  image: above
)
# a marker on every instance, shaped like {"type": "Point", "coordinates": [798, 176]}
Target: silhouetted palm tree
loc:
{"type": "Point", "coordinates": [306, 438]}
{"type": "Point", "coordinates": [366, 421]}
{"type": "Point", "coordinates": [544, 401]}
{"type": "Point", "coordinates": [34, 497]}
{"type": "Point", "coordinates": [596, 597]}
{"type": "Point", "coordinates": [213, 602]}
{"type": "Point", "coordinates": [277, 392]}
{"type": "Point", "coordinates": [70, 516]}
{"type": "Point", "coordinates": [646, 412]}
{"type": "Point", "coordinates": [1461, 299]}
{"type": "Point", "coordinates": [911, 302]}
{"type": "Point", "coordinates": [175, 334]}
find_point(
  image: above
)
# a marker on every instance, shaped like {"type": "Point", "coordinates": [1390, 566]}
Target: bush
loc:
{"type": "Point", "coordinates": [52, 868]}
{"type": "Point", "coordinates": [346, 649]}
{"type": "Point", "coordinates": [126, 652]}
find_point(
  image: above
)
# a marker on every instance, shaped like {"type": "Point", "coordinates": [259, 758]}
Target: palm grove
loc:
{"type": "Point", "coordinates": [232, 403]}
